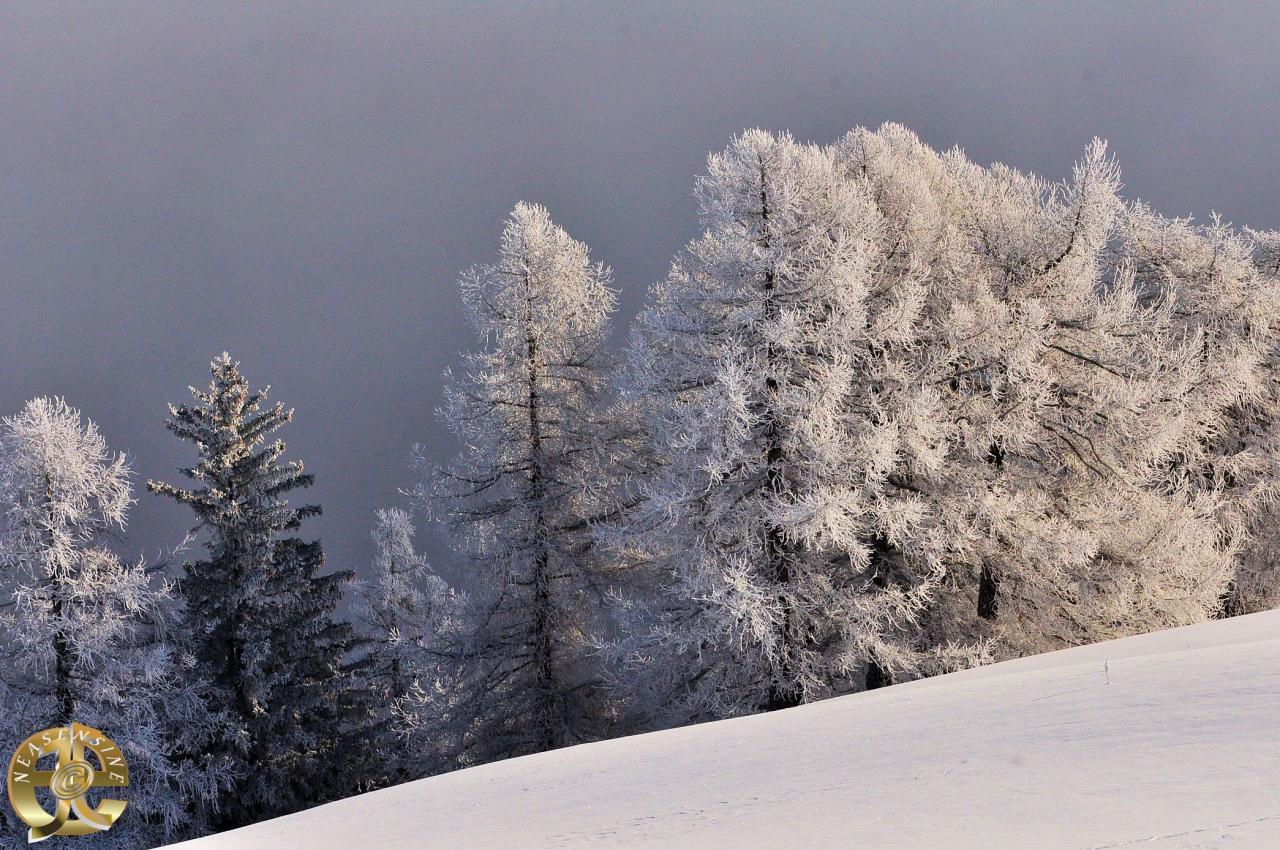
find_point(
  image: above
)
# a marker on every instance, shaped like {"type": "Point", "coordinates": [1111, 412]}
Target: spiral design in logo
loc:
{"type": "Point", "coordinates": [72, 780]}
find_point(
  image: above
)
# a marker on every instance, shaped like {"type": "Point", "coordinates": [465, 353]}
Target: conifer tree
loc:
{"type": "Point", "coordinates": [261, 612]}
{"type": "Point", "coordinates": [411, 619]}
{"type": "Point", "coordinates": [1223, 289]}
{"type": "Point", "coordinates": [521, 498]}
{"type": "Point", "coordinates": [788, 408]}
{"type": "Point", "coordinates": [1072, 386]}
{"type": "Point", "coordinates": [1256, 584]}
{"type": "Point", "coordinates": [88, 638]}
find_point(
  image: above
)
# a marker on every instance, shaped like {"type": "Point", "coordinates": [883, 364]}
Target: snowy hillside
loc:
{"type": "Point", "coordinates": [1170, 740]}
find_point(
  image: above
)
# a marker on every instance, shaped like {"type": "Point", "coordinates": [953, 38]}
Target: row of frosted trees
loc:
{"type": "Point", "coordinates": [890, 414]}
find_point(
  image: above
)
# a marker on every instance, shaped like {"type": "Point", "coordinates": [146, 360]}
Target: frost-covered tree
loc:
{"type": "Point", "coordinates": [87, 637]}
{"type": "Point", "coordinates": [1224, 292]}
{"type": "Point", "coordinates": [1069, 391]}
{"type": "Point", "coordinates": [902, 407]}
{"type": "Point", "coordinates": [521, 498]}
{"type": "Point", "coordinates": [410, 616]}
{"type": "Point", "coordinates": [789, 409]}
{"type": "Point", "coordinates": [261, 611]}
{"type": "Point", "coordinates": [1256, 586]}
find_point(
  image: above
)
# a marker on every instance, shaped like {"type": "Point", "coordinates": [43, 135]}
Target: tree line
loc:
{"type": "Point", "coordinates": [890, 414]}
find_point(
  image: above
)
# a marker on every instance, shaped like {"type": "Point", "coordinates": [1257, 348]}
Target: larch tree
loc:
{"type": "Point", "coordinates": [788, 410]}
{"type": "Point", "coordinates": [1223, 289]}
{"type": "Point", "coordinates": [1256, 585]}
{"type": "Point", "coordinates": [1069, 391]}
{"type": "Point", "coordinates": [412, 619]}
{"type": "Point", "coordinates": [86, 637]}
{"type": "Point", "coordinates": [261, 611]}
{"type": "Point", "coordinates": [520, 500]}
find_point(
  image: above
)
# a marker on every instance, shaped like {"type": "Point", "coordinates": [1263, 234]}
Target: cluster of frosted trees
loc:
{"type": "Point", "coordinates": [890, 414]}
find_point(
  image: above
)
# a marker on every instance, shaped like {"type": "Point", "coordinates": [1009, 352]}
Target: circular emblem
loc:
{"type": "Point", "coordinates": [70, 781]}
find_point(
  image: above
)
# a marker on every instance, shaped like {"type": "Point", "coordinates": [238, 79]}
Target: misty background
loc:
{"type": "Point", "coordinates": [301, 184]}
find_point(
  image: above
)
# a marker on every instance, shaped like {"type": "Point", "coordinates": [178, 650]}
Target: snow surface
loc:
{"type": "Point", "coordinates": [1179, 749]}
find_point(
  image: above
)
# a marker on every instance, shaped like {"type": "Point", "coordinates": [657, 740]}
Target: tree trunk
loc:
{"type": "Point", "coordinates": [988, 593]}
{"type": "Point", "coordinates": [64, 693]}
{"type": "Point", "coordinates": [783, 693]}
{"type": "Point", "coordinates": [66, 696]}
{"type": "Point", "coordinates": [1232, 604]}
{"type": "Point", "coordinates": [988, 583]}
{"type": "Point", "coordinates": [879, 676]}
{"type": "Point", "coordinates": [550, 734]}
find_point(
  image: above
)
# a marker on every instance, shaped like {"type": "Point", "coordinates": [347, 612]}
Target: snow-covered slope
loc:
{"type": "Point", "coordinates": [1169, 740]}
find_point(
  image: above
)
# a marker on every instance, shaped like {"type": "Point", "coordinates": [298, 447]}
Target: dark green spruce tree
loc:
{"type": "Point", "coordinates": [262, 613]}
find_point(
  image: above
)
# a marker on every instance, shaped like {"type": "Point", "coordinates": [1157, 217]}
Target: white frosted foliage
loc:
{"type": "Point", "coordinates": [87, 637]}
{"type": "Point", "coordinates": [519, 502]}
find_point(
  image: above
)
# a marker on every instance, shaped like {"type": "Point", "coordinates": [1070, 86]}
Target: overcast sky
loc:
{"type": "Point", "coordinates": [300, 184]}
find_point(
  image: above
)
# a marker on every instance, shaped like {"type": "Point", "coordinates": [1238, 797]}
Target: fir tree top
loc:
{"type": "Point", "coordinates": [236, 471]}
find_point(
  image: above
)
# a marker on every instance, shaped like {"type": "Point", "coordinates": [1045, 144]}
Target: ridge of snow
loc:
{"type": "Point", "coordinates": [1168, 740]}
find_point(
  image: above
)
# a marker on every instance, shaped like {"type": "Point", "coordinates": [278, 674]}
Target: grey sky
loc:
{"type": "Point", "coordinates": [300, 184]}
